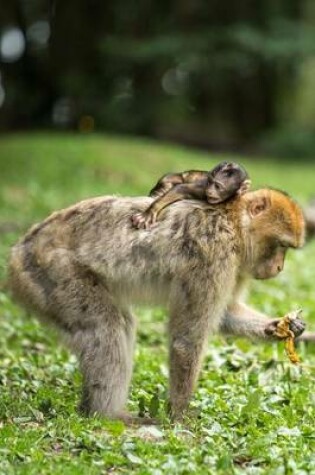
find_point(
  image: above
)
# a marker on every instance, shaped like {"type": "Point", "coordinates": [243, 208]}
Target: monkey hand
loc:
{"type": "Point", "coordinates": [144, 220]}
{"type": "Point", "coordinates": [290, 325]}
{"type": "Point", "coordinates": [245, 186]}
{"type": "Point", "coordinates": [287, 329]}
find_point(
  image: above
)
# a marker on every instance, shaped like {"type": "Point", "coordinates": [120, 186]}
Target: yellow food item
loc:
{"type": "Point", "coordinates": [283, 331]}
{"type": "Point", "coordinates": [290, 349]}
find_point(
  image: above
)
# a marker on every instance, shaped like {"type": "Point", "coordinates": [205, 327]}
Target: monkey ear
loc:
{"type": "Point", "coordinates": [257, 206]}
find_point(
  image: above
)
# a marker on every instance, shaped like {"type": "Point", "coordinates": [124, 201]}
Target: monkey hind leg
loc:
{"type": "Point", "coordinates": [106, 355]}
{"type": "Point", "coordinates": [99, 331]}
{"type": "Point", "coordinates": [102, 336]}
{"type": "Point", "coordinates": [165, 184]}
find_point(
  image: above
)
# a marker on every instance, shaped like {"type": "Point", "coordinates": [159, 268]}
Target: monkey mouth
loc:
{"type": "Point", "coordinates": [213, 199]}
{"type": "Point", "coordinates": [265, 275]}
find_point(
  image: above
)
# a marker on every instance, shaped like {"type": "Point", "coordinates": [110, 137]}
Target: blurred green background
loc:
{"type": "Point", "coordinates": [221, 75]}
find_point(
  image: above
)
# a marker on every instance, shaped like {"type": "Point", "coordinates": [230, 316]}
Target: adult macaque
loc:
{"type": "Point", "coordinates": [83, 267]}
{"type": "Point", "coordinates": [221, 183]}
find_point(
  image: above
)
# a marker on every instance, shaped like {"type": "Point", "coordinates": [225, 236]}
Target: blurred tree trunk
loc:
{"type": "Point", "coordinates": [109, 59]}
{"type": "Point", "coordinates": [28, 83]}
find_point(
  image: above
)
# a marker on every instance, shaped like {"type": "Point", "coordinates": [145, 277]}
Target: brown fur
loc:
{"type": "Point", "coordinates": [83, 267]}
{"type": "Point", "coordinates": [310, 219]}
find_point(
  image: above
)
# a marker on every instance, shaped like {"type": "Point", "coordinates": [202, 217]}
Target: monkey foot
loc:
{"type": "Point", "coordinates": [143, 220]}
{"type": "Point", "coordinates": [158, 194]}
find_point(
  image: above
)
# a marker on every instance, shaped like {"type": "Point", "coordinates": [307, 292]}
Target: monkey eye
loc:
{"type": "Point", "coordinates": [282, 245]}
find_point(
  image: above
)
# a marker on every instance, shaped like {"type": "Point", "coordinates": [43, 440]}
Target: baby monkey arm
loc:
{"type": "Point", "coordinates": [167, 182]}
{"type": "Point", "coordinates": [176, 193]}
{"type": "Point", "coordinates": [221, 183]}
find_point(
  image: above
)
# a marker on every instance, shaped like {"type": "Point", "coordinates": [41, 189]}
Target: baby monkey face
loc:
{"type": "Point", "coordinates": [225, 181]}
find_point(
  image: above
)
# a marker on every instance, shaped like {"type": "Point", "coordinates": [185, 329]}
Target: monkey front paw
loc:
{"type": "Point", "coordinates": [297, 326]}
{"type": "Point", "coordinates": [143, 220]}
{"type": "Point", "coordinates": [244, 187]}
{"type": "Point", "coordinates": [276, 328]}
{"type": "Point", "coordinates": [138, 220]}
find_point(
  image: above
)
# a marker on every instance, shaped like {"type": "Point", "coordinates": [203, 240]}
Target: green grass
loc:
{"type": "Point", "coordinates": [254, 412]}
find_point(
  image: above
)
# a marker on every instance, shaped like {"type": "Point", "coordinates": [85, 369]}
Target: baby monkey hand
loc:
{"type": "Point", "coordinates": [245, 186]}
{"type": "Point", "coordinates": [144, 220]}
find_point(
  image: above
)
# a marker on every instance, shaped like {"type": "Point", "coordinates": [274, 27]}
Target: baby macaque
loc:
{"type": "Point", "coordinates": [215, 186]}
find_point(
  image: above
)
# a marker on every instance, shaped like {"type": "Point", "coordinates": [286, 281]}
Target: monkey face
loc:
{"type": "Point", "coordinates": [276, 224]}
{"type": "Point", "coordinates": [224, 181]}
{"type": "Point", "coordinates": [271, 263]}
{"type": "Point", "coordinates": [215, 192]}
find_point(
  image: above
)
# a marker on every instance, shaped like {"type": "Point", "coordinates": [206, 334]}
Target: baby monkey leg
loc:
{"type": "Point", "coordinates": [177, 193]}
{"type": "Point", "coordinates": [167, 182]}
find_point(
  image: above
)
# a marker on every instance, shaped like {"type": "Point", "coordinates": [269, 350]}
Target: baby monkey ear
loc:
{"type": "Point", "coordinates": [258, 205]}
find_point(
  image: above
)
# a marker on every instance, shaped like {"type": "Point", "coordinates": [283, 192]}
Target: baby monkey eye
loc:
{"type": "Point", "coordinates": [218, 186]}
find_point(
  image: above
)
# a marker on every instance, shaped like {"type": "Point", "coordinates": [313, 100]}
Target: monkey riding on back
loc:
{"type": "Point", "coordinates": [84, 267]}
